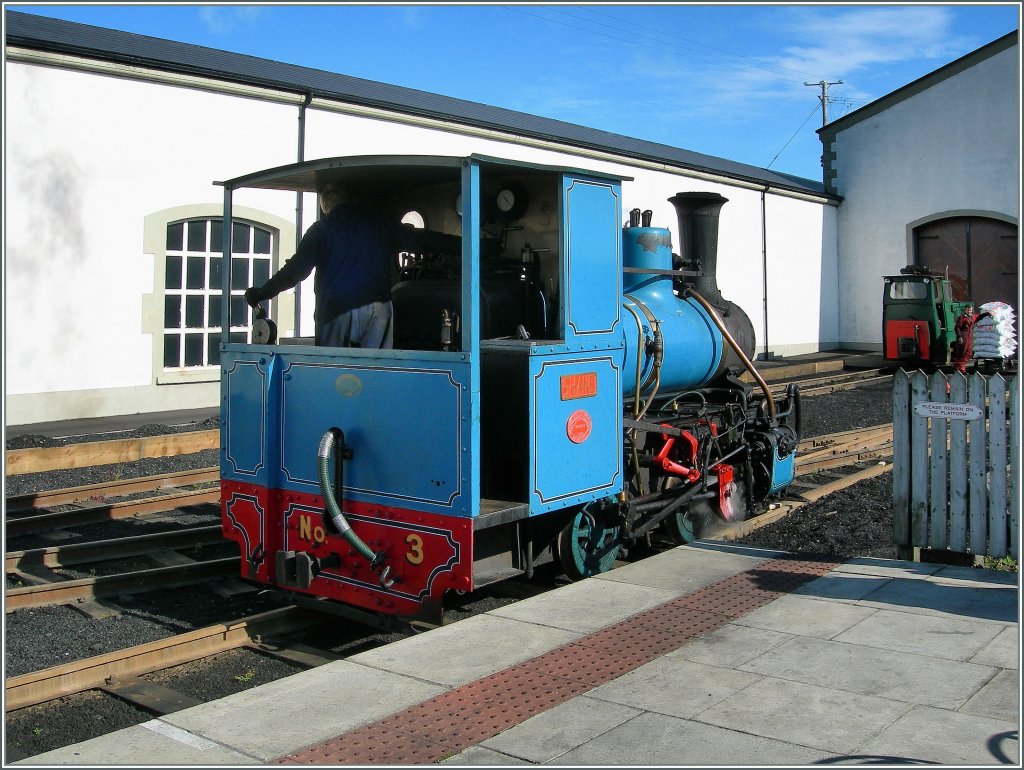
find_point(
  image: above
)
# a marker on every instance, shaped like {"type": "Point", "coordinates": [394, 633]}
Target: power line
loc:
{"type": "Point", "coordinates": [813, 110]}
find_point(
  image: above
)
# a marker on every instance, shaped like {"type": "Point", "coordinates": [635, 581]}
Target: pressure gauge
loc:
{"type": "Point", "coordinates": [511, 201]}
{"type": "Point", "coordinates": [506, 200]}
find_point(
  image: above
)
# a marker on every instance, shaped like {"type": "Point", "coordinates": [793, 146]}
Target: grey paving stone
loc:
{"type": "Point", "coordinates": [805, 616]}
{"type": "Point", "coordinates": [873, 671]}
{"type": "Point", "coordinates": [938, 637]}
{"type": "Point", "coordinates": [674, 686]}
{"type": "Point", "coordinates": [927, 734]}
{"type": "Point", "coordinates": [479, 755]}
{"type": "Point", "coordinates": [730, 645]}
{"type": "Point", "coordinates": [978, 576]}
{"type": "Point", "coordinates": [999, 699]}
{"type": "Point", "coordinates": [723, 546]}
{"type": "Point", "coordinates": [683, 569]}
{"type": "Point", "coordinates": [656, 739]}
{"type": "Point", "coordinates": [563, 728]}
{"type": "Point", "coordinates": [890, 568]}
{"type": "Point", "coordinates": [584, 607]}
{"type": "Point", "coordinates": [843, 586]}
{"type": "Point", "coordinates": [150, 743]}
{"type": "Point", "coordinates": [948, 599]}
{"type": "Point", "coordinates": [470, 649]}
{"type": "Point", "coordinates": [1003, 651]}
{"type": "Point", "coordinates": [808, 715]}
{"type": "Point", "coordinates": [321, 703]}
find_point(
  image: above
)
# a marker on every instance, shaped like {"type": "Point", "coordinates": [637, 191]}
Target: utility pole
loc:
{"type": "Point", "coordinates": [824, 96]}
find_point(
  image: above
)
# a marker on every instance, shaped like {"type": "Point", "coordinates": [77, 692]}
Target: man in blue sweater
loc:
{"type": "Point", "coordinates": [352, 248]}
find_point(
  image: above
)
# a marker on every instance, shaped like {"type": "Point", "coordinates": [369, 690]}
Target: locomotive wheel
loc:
{"type": "Point", "coordinates": [586, 547]}
{"type": "Point", "coordinates": [679, 528]}
{"type": "Point", "coordinates": [699, 521]}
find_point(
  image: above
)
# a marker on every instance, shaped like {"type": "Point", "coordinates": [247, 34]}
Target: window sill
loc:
{"type": "Point", "coordinates": [206, 374]}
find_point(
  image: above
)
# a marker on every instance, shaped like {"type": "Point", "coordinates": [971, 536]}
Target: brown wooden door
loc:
{"type": "Point", "coordinates": [979, 253]}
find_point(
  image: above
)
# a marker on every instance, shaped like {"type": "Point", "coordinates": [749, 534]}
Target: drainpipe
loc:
{"type": "Point", "coordinates": [764, 269]}
{"type": "Point", "coordinates": [298, 206]}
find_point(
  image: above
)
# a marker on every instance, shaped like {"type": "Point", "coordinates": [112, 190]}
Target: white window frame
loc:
{"type": "Point", "coordinates": [155, 235]}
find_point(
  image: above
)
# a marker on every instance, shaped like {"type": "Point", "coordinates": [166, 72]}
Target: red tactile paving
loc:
{"type": "Point", "coordinates": [465, 716]}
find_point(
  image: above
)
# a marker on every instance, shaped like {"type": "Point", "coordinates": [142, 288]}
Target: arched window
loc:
{"type": "Point", "coordinates": [193, 287]}
{"type": "Point", "coordinates": [183, 314]}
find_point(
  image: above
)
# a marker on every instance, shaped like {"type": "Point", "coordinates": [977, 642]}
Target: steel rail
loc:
{"type": "Point", "coordinates": [118, 548]}
{"type": "Point", "coordinates": [821, 390]}
{"type": "Point", "coordinates": [107, 489]}
{"type": "Point", "coordinates": [99, 513]}
{"type": "Point", "coordinates": [141, 581]}
{"type": "Point", "coordinates": [88, 673]}
{"type": "Point", "coordinates": [812, 386]}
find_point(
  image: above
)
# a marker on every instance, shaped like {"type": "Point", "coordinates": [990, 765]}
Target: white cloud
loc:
{"type": "Point", "coordinates": [221, 19]}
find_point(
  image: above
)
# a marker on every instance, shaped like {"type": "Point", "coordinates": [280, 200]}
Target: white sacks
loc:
{"type": "Point", "coordinates": [993, 335]}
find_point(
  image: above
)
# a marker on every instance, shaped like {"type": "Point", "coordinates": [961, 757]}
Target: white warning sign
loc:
{"type": "Point", "coordinates": [947, 411]}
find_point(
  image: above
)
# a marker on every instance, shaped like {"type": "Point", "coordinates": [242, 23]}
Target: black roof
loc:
{"type": "Point", "coordinates": [64, 37]}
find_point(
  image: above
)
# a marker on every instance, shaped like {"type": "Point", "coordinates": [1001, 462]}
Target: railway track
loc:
{"type": "Point", "coordinates": [118, 672]}
{"type": "Point", "coordinates": [834, 382]}
{"type": "Point", "coordinates": [126, 673]}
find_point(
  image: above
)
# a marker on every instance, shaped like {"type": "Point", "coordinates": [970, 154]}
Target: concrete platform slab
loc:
{"type": "Point", "coordinates": [730, 646]}
{"type": "Point", "coordinates": [322, 702]}
{"type": "Point", "coordinates": [467, 650]}
{"type": "Point", "coordinates": [819, 717]}
{"type": "Point", "coordinates": [476, 756]}
{"type": "Point", "coordinates": [891, 568]}
{"type": "Point", "coordinates": [843, 586]}
{"type": "Point", "coordinates": [683, 569]}
{"type": "Point", "coordinates": [586, 606]}
{"type": "Point", "coordinates": [675, 686]}
{"type": "Point", "coordinates": [806, 616]}
{"type": "Point", "coordinates": [656, 739]}
{"type": "Point", "coordinates": [948, 599]}
{"type": "Point", "coordinates": [873, 671]}
{"type": "Point", "coordinates": [548, 736]}
{"type": "Point", "coordinates": [151, 743]}
{"type": "Point", "coordinates": [1003, 651]}
{"type": "Point", "coordinates": [951, 638]}
{"type": "Point", "coordinates": [999, 699]}
{"type": "Point", "coordinates": [945, 737]}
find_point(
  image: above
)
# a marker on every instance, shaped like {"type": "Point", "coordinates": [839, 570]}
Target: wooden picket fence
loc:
{"type": "Point", "coordinates": [956, 463]}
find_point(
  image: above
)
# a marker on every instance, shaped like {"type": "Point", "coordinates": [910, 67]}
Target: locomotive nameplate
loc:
{"type": "Point", "coordinates": [583, 385]}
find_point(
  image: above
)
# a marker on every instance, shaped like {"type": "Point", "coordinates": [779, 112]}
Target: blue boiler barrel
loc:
{"type": "Point", "coordinates": [694, 352]}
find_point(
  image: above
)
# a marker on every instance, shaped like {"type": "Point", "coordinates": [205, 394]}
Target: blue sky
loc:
{"type": "Point", "coordinates": [721, 79]}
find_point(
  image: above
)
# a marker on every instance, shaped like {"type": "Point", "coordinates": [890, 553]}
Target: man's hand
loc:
{"type": "Point", "coordinates": [254, 296]}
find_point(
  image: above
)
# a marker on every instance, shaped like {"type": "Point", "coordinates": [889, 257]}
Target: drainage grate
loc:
{"type": "Point", "coordinates": [445, 725]}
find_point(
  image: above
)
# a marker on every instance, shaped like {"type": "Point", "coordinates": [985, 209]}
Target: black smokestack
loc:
{"type": "Point", "coordinates": [698, 214]}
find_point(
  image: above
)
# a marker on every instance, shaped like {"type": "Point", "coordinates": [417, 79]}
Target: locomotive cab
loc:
{"type": "Point", "coordinates": [438, 455]}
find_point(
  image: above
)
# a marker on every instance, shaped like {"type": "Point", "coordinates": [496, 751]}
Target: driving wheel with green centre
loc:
{"type": "Point", "coordinates": [587, 546]}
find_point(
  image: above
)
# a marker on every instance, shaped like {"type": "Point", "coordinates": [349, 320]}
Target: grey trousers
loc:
{"type": "Point", "coordinates": [368, 326]}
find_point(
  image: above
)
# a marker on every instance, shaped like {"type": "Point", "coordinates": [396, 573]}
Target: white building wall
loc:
{"type": "Point", "coordinates": [951, 148]}
{"type": "Point", "coordinates": [89, 156]}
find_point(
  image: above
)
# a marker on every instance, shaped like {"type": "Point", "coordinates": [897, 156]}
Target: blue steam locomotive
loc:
{"type": "Point", "coordinates": [561, 385]}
